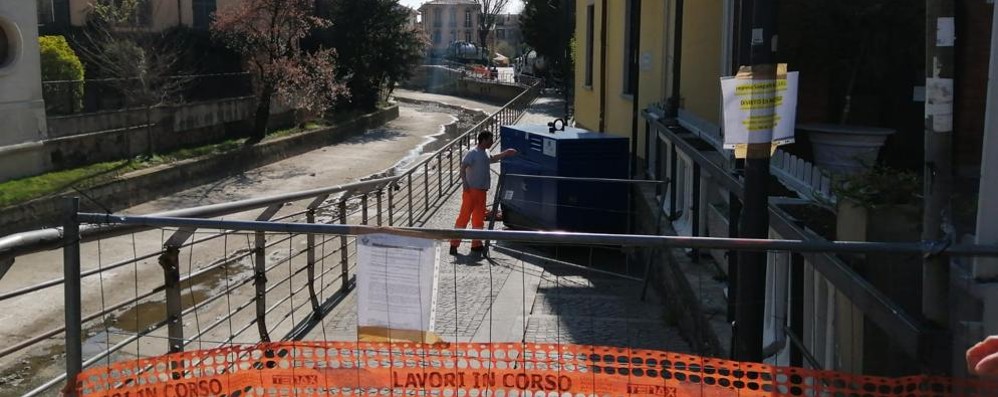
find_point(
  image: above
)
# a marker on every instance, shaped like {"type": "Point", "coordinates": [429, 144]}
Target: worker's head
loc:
{"type": "Point", "coordinates": [485, 138]}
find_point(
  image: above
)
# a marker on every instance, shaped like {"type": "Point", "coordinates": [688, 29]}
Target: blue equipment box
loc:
{"type": "Point", "coordinates": [567, 205]}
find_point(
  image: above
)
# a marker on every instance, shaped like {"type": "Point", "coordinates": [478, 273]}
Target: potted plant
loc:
{"type": "Point", "coordinates": [882, 204]}
{"type": "Point", "coordinates": [854, 43]}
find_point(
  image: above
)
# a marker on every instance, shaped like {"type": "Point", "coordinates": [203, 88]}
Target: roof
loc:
{"type": "Point", "coordinates": [448, 2]}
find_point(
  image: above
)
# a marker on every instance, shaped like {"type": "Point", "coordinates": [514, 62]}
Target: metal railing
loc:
{"type": "Point", "coordinates": [65, 97]}
{"type": "Point", "coordinates": [408, 198]}
{"type": "Point", "coordinates": [702, 182]}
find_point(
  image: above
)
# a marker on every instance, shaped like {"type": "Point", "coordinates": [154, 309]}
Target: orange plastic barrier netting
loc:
{"type": "Point", "coordinates": [482, 370]}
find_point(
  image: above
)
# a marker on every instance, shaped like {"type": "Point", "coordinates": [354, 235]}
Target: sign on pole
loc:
{"type": "Point", "coordinates": [759, 111]}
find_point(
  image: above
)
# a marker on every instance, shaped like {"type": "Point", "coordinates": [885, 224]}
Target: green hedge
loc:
{"type": "Point", "coordinates": [60, 63]}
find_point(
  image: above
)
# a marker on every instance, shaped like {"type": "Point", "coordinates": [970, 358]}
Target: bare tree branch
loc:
{"type": "Point", "coordinates": [491, 9]}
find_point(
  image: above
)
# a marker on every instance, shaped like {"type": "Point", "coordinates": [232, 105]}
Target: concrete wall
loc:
{"type": "Point", "coordinates": [146, 185]}
{"type": "Point", "coordinates": [106, 136]}
{"type": "Point", "coordinates": [22, 110]}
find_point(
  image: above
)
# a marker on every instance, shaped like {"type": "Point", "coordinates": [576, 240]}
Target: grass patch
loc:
{"type": "Point", "coordinates": [22, 190]}
{"type": "Point", "coordinates": [25, 189]}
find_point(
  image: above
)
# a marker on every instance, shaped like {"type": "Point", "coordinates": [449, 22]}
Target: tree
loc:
{"type": "Point", "coordinates": [142, 65]}
{"type": "Point", "coordinates": [377, 47]}
{"type": "Point", "coordinates": [268, 33]}
{"type": "Point", "coordinates": [491, 9]}
{"type": "Point", "coordinates": [542, 31]}
{"type": "Point", "coordinates": [547, 27]}
{"type": "Point", "coordinates": [60, 63]}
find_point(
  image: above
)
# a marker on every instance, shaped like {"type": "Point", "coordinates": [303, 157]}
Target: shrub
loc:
{"type": "Point", "coordinates": [60, 63]}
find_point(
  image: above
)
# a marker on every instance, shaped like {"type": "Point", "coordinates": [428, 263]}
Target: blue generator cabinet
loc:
{"type": "Point", "coordinates": [565, 205]}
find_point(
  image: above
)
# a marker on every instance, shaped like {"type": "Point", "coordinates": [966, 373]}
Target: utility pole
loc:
{"type": "Point", "coordinates": [938, 177]}
{"type": "Point", "coordinates": [751, 283]}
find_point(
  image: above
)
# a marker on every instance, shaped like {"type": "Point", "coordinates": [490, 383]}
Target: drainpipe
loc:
{"type": "Point", "coordinates": [180, 14]}
{"type": "Point", "coordinates": [602, 69]}
{"type": "Point", "coordinates": [635, 73]}
{"type": "Point", "coordinates": [986, 269]}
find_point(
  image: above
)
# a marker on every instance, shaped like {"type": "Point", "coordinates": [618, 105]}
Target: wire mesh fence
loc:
{"type": "Point", "coordinates": [155, 291]}
{"type": "Point", "coordinates": [66, 97]}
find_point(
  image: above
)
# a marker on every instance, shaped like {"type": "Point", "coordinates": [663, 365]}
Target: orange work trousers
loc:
{"type": "Point", "coordinates": [472, 208]}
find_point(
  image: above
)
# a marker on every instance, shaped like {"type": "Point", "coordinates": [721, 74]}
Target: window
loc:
{"type": "Point", "coordinates": [467, 18]}
{"type": "Point", "coordinates": [438, 17]}
{"type": "Point", "coordinates": [453, 17]}
{"type": "Point", "coordinates": [453, 36]}
{"type": "Point", "coordinates": [590, 26]}
{"type": "Point", "coordinates": [467, 36]}
{"type": "Point", "coordinates": [203, 12]}
{"type": "Point", "coordinates": [436, 37]}
{"type": "Point", "coordinates": [631, 46]}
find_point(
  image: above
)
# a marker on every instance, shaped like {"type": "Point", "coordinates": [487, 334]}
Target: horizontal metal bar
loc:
{"type": "Point", "coordinates": [40, 240]}
{"type": "Point", "coordinates": [737, 244]}
{"type": "Point", "coordinates": [570, 178]}
{"type": "Point", "coordinates": [720, 175]}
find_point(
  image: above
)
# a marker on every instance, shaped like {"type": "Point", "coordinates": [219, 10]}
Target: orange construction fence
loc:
{"type": "Point", "coordinates": [483, 370]}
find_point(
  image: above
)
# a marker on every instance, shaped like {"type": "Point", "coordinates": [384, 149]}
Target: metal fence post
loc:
{"type": "Point", "coordinates": [408, 186]}
{"type": "Point", "coordinates": [450, 165]}
{"type": "Point", "coordinates": [71, 272]}
{"type": "Point", "coordinates": [344, 257]}
{"type": "Point", "coordinates": [440, 176]}
{"type": "Point", "coordinates": [378, 215]}
{"type": "Point", "coordinates": [310, 258]}
{"type": "Point", "coordinates": [170, 262]}
{"type": "Point", "coordinates": [363, 209]}
{"type": "Point", "coordinates": [426, 186]}
{"type": "Point", "coordinates": [260, 273]}
{"type": "Point", "coordinates": [260, 282]}
{"type": "Point", "coordinates": [391, 208]}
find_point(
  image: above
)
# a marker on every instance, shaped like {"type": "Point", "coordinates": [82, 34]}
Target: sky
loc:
{"type": "Point", "coordinates": [514, 5]}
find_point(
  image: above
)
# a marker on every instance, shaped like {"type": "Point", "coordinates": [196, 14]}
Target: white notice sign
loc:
{"type": "Point", "coordinates": [397, 282]}
{"type": "Point", "coordinates": [759, 111]}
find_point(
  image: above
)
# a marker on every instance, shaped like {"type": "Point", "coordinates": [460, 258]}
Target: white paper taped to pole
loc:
{"type": "Point", "coordinates": [759, 111]}
{"type": "Point", "coordinates": [397, 283]}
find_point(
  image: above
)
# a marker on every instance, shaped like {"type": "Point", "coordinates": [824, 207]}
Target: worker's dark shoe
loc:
{"type": "Point", "coordinates": [453, 250]}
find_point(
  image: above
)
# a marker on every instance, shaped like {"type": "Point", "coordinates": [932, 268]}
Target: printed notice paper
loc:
{"type": "Point", "coordinates": [759, 111]}
{"type": "Point", "coordinates": [397, 282]}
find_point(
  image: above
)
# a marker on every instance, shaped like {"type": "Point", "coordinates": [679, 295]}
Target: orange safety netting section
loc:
{"type": "Point", "coordinates": [487, 370]}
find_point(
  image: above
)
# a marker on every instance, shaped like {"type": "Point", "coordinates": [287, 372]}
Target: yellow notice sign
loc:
{"type": "Point", "coordinates": [759, 110]}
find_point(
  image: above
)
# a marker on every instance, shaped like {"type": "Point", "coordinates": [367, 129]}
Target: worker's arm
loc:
{"type": "Point", "coordinates": [505, 153]}
{"type": "Point", "coordinates": [464, 176]}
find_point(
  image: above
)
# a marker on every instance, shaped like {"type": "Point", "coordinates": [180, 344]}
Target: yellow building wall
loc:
{"type": "Point", "coordinates": [701, 64]}
{"type": "Point", "coordinates": [587, 97]}
{"type": "Point", "coordinates": [652, 78]}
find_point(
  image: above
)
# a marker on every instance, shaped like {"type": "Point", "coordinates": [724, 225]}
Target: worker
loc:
{"type": "Point", "coordinates": [476, 178]}
{"type": "Point", "coordinates": [982, 358]}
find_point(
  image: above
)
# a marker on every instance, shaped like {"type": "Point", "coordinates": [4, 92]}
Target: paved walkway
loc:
{"type": "Point", "coordinates": [521, 294]}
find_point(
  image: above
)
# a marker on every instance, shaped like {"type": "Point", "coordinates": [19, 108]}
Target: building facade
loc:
{"type": "Point", "coordinates": [507, 34]}
{"type": "Point", "coordinates": [22, 108]}
{"type": "Point", "coordinates": [650, 70]}
{"type": "Point", "coordinates": [449, 21]}
{"type": "Point", "coordinates": [54, 16]}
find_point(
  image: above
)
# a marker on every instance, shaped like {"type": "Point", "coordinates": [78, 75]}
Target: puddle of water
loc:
{"type": "Point", "coordinates": [198, 289]}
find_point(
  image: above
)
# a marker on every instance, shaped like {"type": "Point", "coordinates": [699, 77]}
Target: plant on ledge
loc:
{"type": "Point", "coordinates": [880, 187]}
